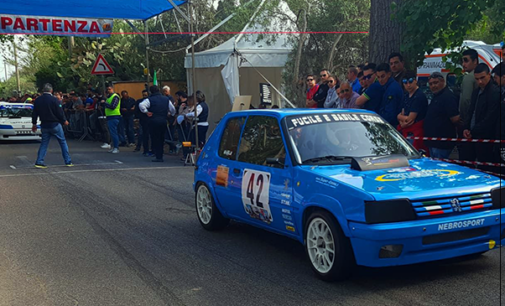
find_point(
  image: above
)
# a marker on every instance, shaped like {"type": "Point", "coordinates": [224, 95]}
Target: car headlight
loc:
{"type": "Point", "coordinates": [389, 211]}
{"type": "Point", "coordinates": [498, 196]}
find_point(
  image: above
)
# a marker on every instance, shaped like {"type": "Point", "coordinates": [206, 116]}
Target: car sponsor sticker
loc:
{"type": "Point", "coordinates": [392, 177]}
{"type": "Point", "coordinates": [222, 176]}
{"type": "Point", "coordinates": [255, 195]}
{"type": "Point", "coordinates": [460, 224]}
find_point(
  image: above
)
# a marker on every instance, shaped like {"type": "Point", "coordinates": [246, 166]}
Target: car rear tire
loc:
{"type": "Point", "coordinates": [208, 214]}
{"type": "Point", "coordinates": [329, 250]}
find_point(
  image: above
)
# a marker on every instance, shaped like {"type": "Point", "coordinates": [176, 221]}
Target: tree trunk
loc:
{"type": "Point", "coordinates": [296, 72]}
{"type": "Point", "coordinates": [332, 52]}
{"type": "Point", "coordinates": [385, 33]}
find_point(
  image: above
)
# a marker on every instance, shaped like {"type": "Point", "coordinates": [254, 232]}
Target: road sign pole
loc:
{"type": "Point", "coordinates": [103, 84]}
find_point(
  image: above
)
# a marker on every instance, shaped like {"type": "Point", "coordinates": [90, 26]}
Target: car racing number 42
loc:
{"type": "Point", "coordinates": [255, 194]}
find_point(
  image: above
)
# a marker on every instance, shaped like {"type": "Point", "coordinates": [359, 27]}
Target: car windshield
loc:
{"type": "Point", "coordinates": [16, 111]}
{"type": "Point", "coordinates": [330, 138]}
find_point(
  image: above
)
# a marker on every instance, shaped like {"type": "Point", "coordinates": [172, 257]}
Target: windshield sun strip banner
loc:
{"type": "Point", "coordinates": [304, 120]}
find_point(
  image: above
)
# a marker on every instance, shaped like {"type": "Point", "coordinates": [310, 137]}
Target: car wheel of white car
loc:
{"type": "Point", "coordinates": [329, 250]}
{"type": "Point", "coordinates": [208, 214]}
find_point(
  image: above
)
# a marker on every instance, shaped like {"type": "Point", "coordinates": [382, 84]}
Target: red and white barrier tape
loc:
{"type": "Point", "coordinates": [493, 173]}
{"type": "Point", "coordinates": [458, 139]}
{"type": "Point", "coordinates": [467, 162]}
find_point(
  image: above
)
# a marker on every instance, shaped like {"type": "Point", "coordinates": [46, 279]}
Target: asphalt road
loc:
{"type": "Point", "coordinates": [120, 230]}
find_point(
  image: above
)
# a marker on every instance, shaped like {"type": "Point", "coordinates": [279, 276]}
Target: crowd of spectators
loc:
{"type": "Point", "coordinates": [472, 112]}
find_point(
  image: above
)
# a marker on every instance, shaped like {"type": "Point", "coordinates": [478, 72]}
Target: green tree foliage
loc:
{"type": "Point", "coordinates": [434, 24]}
{"type": "Point", "coordinates": [332, 51]}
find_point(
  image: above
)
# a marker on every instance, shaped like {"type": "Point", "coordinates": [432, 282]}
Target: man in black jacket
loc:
{"type": "Point", "coordinates": [483, 114]}
{"type": "Point", "coordinates": [143, 139]}
{"type": "Point", "coordinates": [499, 78]}
{"type": "Point", "coordinates": [51, 114]}
{"type": "Point", "coordinates": [157, 107]}
{"type": "Point", "coordinates": [322, 92]}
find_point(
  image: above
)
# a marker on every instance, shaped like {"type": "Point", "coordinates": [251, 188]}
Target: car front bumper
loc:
{"type": "Point", "coordinates": [429, 239]}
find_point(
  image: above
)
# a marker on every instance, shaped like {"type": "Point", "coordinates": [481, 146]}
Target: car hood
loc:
{"type": "Point", "coordinates": [423, 178]}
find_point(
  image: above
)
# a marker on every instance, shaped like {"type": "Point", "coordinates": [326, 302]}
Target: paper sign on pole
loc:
{"type": "Point", "coordinates": [101, 66]}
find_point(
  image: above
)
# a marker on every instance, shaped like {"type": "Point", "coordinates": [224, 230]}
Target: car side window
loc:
{"type": "Point", "coordinates": [262, 139]}
{"type": "Point", "coordinates": [231, 136]}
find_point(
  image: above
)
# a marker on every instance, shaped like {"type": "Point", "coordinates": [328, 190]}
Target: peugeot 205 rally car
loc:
{"type": "Point", "coordinates": [348, 186]}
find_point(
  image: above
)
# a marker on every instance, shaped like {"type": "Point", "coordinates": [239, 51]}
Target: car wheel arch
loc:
{"type": "Point", "coordinates": [336, 211]}
{"type": "Point", "coordinates": [210, 186]}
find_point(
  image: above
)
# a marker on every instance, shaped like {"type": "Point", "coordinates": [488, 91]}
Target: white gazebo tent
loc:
{"type": "Point", "coordinates": [238, 66]}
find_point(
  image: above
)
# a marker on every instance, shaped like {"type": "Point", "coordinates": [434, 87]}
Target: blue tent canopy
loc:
{"type": "Point", "coordinates": [107, 9]}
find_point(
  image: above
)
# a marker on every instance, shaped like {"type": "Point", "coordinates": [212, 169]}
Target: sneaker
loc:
{"type": "Point", "coordinates": [131, 144]}
{"type": "Point", "coordinates": [39, 166]}
{"type": "Point", "coordinates": [69, 165]}
{"type": "Point", "coordinates": [115, 151]}
{"type": "Point", "coordinates": [105, 146]}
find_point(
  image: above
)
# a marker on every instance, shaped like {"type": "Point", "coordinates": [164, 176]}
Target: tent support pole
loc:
{"type": "Point", "coordinates": [193, 70]}
{"type": "Point", "coordinates": [147, 52]}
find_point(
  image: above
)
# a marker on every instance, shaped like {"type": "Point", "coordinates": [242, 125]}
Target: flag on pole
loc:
{"type": "Point", "coordinates": [155, 79]}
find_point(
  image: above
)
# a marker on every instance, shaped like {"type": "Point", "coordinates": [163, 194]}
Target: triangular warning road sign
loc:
{"type": "Point", "coordinates": [101, 66]}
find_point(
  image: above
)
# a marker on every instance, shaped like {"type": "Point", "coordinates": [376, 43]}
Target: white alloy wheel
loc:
{"type": "Point", "coordinates": [204, 204]}
{"type": "Point", "coordinates": [320, 245]}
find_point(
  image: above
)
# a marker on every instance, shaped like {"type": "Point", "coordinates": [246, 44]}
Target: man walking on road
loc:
{"type": "Point", "coordinates": [113, 114]}
{"type": "Point", "coordinates": [157, 108]}
{"type": "Point", "coordinates": [51, 114]}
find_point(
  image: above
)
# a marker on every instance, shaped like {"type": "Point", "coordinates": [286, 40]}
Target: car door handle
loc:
{"type": "Point", "coordinates": [236, 171]}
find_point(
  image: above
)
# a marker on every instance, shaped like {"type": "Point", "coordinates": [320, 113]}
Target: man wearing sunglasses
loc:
{"type": "Point", "coordinates": [322, 92]}
{"type": "Point", "coordinates": [442, 117]}
{"type": "Point", "coordinates": [372, 96]}
{"type": "Point", "coordinates": [331, 97]}
{"type": "Point", "coordinates": [483, 115]}
{"type": "Point", "coordinates": [349, 96]}
{"type": "Point", "coordinates": [312, 88]}
{"type": "Point", "coordinates": [414, 107]}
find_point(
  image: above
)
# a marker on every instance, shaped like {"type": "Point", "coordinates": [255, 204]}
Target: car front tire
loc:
{"type": "Point", "coordinates": [329, 250]}
{"type": "Point", "coordinates": [208, 214]}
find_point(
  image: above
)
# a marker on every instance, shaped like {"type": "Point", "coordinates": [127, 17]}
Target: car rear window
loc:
{"type": "Point", "coordinates": [231, 136]}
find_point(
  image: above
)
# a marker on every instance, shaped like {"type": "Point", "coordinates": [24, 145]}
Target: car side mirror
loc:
{"type": "Point", "coordinates": [275, 161]}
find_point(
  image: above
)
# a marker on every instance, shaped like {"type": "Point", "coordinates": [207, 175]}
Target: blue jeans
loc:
{"type": "Point", "coordinates": [113, 123]}
{"type": "Point", "coordinates": [128, 125]}
{"type": "Point", "coordinates": [120, 130]}
{"type": "Point", "coordinates": [440, 153]}
{"type": "Point", "coordinates": [57, 132]}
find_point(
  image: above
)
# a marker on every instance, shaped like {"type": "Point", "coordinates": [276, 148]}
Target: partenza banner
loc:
{"type": "Point", "coordinates": [41, 25]}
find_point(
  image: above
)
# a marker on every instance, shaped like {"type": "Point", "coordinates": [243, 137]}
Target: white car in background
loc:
{"type": "Point", "coordinates": [16, 122]}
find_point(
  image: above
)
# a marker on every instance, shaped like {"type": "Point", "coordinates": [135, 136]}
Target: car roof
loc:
{"type": "Point", "coordinates": [281, 113]}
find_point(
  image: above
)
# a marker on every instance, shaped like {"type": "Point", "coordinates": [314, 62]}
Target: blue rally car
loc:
{"type": "Point", "coordinates": [346, 185]}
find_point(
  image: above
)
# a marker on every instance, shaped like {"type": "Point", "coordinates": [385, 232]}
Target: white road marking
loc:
{"type": "Point", "coordinates": [59, 166]}
{"type": "Point", "coordinates": [93, 170]}
{"type": "Point", "coordinates": [119, 162]}
{"type": "Point", "coordinates": [12, 167]}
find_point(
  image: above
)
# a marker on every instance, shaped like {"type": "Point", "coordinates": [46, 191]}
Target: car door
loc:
{"type": "Point", "coordinates": [263, 176]}
{"type": "Point", "coordinates": [228, 177]}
